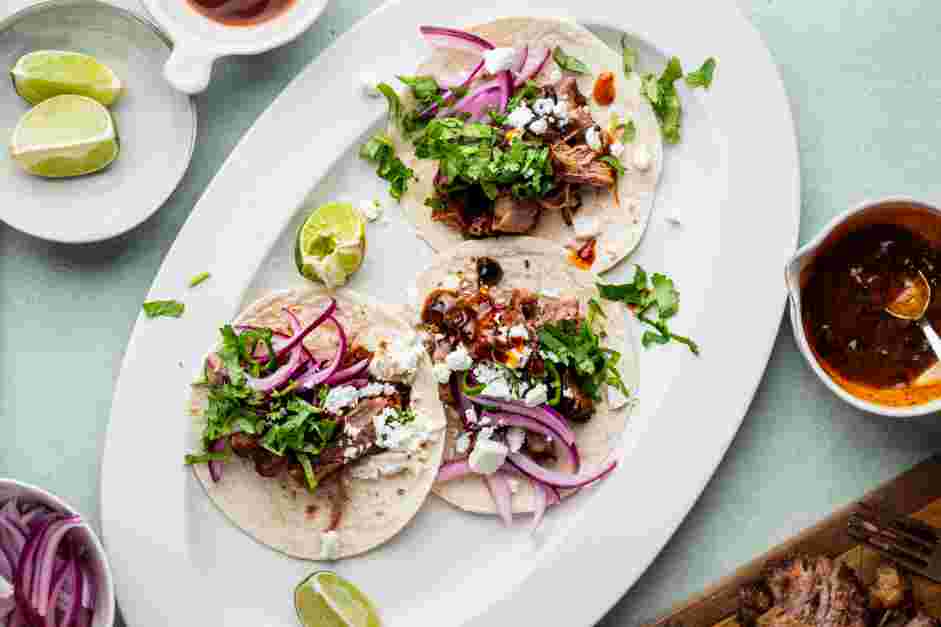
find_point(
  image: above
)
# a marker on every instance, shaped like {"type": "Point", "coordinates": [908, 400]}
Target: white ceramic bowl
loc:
{"type": "Point", "coordinates": [199, 41]}
{"type": "Point", "coordinates": [915, 215]}
{"type": "Point", "coordinates": [104, 604]}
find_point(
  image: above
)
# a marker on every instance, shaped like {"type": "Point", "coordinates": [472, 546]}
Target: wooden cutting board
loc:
{"type": "Point", "coordinates": [916, 492]}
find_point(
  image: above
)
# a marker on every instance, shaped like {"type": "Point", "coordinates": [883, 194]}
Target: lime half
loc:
{"type": "Point", "coordinates": [65, 136]}
{"type": "Point", "coordinates": [44, 74]}
{"type": "Point", "coordinates": [327, 600]}
{"type": "Point", "coordinates": [331, 244]}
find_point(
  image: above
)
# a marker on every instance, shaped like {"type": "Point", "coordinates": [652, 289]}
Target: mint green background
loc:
{"type": "Point", "coordinates": [865, 86]}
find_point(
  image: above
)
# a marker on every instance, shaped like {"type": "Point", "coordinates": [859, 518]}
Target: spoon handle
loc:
{"type": "Point", "coordinates": [932, 336]}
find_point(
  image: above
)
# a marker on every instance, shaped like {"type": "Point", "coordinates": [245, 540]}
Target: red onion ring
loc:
{"type": "Point", "coordinates": [342, 376]}
{"type": "Point", "coordinates": [310, 379]}
{"type": "Point", "coordinates": [559, 479]}
{"type": "Point", "coordinates": [283, 374]}
{"type": "Point", "coordinates": [215, 466]}
{"type": "Point", "coordinates": [535, 61]}
{"type": "Point", "coordinates": [568, 451]}
{"type": "Point", "coordinates": [520, 61]}
{"type": "Point", "coordinates": [441, 37]}
{"type": "Point", "coordinates": [454, 470]}
{"type": "Point", "coordinates": [541, 496]}
{"type": "Point", "coordinates": [499, 488]}
{"type": "Point", "coordinates": [299, 336]}
{"type": "Point", "coordinates": [542, 413]}
{"type": "Point", "coordinates": [45, 557]}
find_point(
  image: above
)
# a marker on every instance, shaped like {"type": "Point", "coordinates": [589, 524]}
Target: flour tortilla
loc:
{"type": "Point", "coordinates": [623, 223]}
{"type": "Point", "coordinates": [282, 515]}
{"type": "Point", "coordinates": [537, 265]}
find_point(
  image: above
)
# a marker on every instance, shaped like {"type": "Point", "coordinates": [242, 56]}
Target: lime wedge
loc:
{"type": "Point", "coordinates": [327, 600]}
{"type": "Point", "coordinates": [44, 74]}
{"type": "Point", "coordinates": [65, 136]}
{"type": "Point", "coordinates": [331, 244]}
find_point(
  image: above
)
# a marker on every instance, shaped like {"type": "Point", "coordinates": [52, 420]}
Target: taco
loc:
{"type": "Point", "coordinates": [331, 447]}
{"type": "Point", "coordinates": [536, 375]}
{"type": "Point", "coordinates": [528, 126]}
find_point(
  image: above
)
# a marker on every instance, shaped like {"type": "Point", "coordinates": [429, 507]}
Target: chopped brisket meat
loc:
{"type": "Point", "coordinates": [267, 464]}
{"type": "Point", "coordinates": [564, 198]}
{"type": "Point", "coordinates": [451, 215]}
{"type": "Point", "coordinates": [444, 393]}
{"type": "Point", "coordinates": [513, 215]}
{"type": "Point", "coordinates": [355, 355]}
{"type": "Point", "coordinates": [567, 89]}
{"type": "Point", "coordinates": [553, 310]}
{"type": "Point", "coordinates": [525, 301]}
{"type": "Point", "coordinates": [814, 592]}
{"type": "Point", "coordinates": [754, 600]}
{"type": "Point", "coordinates": [244, 444]}
{"type": "Point", "coordinates": [574, 404]}
{"type": "Point", "coordinates": [480, 225]}
{"type": "Point", "coordinates": [891, 589]}
{"type": "Point", "coordinates": [580, 120]}
{"type": "Point", "coordinates": [580, 165]}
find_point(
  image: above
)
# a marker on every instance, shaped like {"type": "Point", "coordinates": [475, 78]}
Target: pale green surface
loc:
{"type": "Point", "coordinates": [865, 88]}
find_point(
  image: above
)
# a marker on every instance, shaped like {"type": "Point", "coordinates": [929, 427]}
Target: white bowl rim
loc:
{"type": "Point", "coordinates": [797, 326]}
{"type": "Point", "coordinates": [106, 606]}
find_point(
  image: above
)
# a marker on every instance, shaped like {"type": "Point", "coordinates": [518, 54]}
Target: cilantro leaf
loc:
{"type": "Point", "coordinates": [203, 458]}
{"type": "Point", "coordinates": [703, 76]}
{"type": "Point", "coordinates": [568, 62]}
{"type": "Point", "coordinates": [665, 295]}
{"type": "Point", "coordinates": [392, 100]}
{"type": "Point", "coordinates": [308, 471]}
{"type": "Point", "coordinates": [661, 294]}
{"type": "Point", "coordinates": [165, 308]}
{"type": "Point", "coordinates": [578, 346]}
{"type": "Point", "coordinates": [661, 93]}
{"type": "Point", "coordinates": [615, 164]}
{"type": "Point", "coordinates": [424, 88]}
{"type": "Point", "coordinates": [629, 56]}
{"type": "Point", "coordinates": [199, 278]}
{"type": "Point", "coordinates": [380, 150]}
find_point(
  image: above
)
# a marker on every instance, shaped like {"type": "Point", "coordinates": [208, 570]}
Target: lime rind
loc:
{"type": "Point", "coordinates": [45, 74]}
{"type": "Point", "coordinates": [331, 244]}
{"type": "Point", "coordinates": [324, 599]}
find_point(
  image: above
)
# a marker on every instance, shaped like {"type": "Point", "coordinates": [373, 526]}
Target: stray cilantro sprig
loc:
{"type": "Point", "coordinates": [381, 151]}
{"type": "Point", "coordinates": [660, 91]}
{"type": "Point", "coordinates": [163, 308]}
{"type": "Point", "coordinates": [659, 294]}
{"type": "Point", "coordinates": [568, 62]}
{"type": "Point", "coordinates": [703, 76]}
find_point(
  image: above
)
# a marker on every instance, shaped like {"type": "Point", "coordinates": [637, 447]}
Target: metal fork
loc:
{"type": "Point", "coordinates": [910, 543]}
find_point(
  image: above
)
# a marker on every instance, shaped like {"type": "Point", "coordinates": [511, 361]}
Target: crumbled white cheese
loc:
{"type": "Point", "coordinates": [515, 438]}
{"type": "Point", "coordinates": [391, 434]}
{"type": "Point", "coordinates": [550, 292]}
{"type": "Point", "coordinates": [340, 397]}
{"type": "Point", "coordinates": [561, 108]}
{"type": "Point", "coordinates": [441, 372]}
{"type": "Point", "coordinates": [520, 117]}
{"type": "Point", "coordinates": [487, 456]}
{"type": "Point", "coordinates": [616, 149]}
{"type": "Point", "coordinates": [555, 75]}
{"type": "Point", "coordinates": [384, 464]}
{"type": "Point", "coordinates": [498, 388]}
{"type": "Point", "coordinates": [398, 361]}
{"type": "Point", "coordinates": [462, 443]}
{"type": "Point", "coordinates": [586, 227]}
{"type": "Point", "coordinates": [372, 389]}
{"type": "Point", "coordinates": [539, 126]}
{"type": "Point", "coordinates": [471, 414]}
{"type": "Point", "coordinates": [459, 359]}
{"type": "Point", "coordinates": [388, 389]}
{"type": "Point", "coordinates": [485, 373]}
{"type": "Point", "coordinates": [543, 106]}
{"type": "Point", "coordinates": [329, 545]}
{"type": "Point", "coordinates": [519, 331]}
{"type": "Point", "coordinates": [514, 485]}
{"type": "Point", "coordinates": [371, 210]}
{"type": "Point", "coordinates": [675, 216]}
{"type": "Point", "coordinates": [642, 157]}
{"type": "Point", "coordinates": [593, 139]}
{"type": "Point", "coordinates": [499, 59]}
{"type": "Point", "coordinates": [536, 395]}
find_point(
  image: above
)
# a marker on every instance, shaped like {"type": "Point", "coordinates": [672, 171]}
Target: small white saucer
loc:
{"type": "Point", "coordinates": [156, 124]}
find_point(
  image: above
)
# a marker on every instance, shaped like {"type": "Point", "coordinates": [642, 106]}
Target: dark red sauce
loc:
{"type": "Point", "coordinates": [844, 302]}
{"type": "Point", "coordinates": [241, 12]}
{"type": "Point", "coordinates": [583, 257]}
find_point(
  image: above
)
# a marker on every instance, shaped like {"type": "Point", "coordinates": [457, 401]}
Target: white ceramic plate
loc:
{"type": "Point", "coordinates": [736, 179]}
{"type": "Point", "coordinates": [156, 124]}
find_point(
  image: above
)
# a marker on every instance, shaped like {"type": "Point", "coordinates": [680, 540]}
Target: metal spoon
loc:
{"type": "Point", "coordinates": [912, 303]}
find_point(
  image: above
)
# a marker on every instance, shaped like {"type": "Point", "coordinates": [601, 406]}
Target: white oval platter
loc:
{"type": "Point", "coordinates": [735, 179]}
